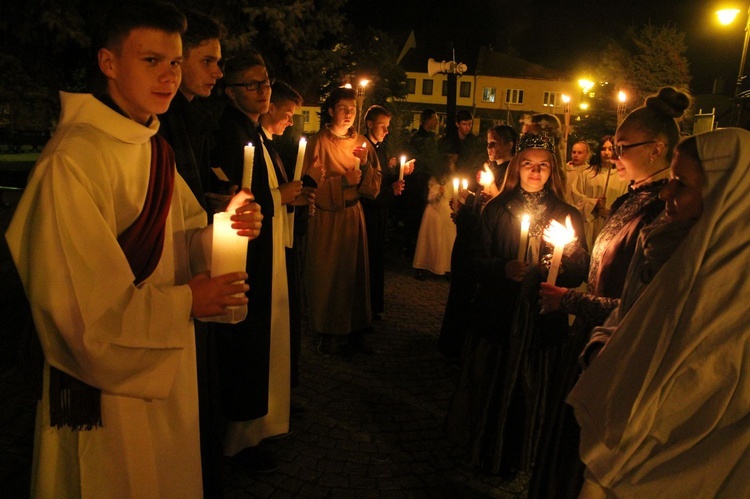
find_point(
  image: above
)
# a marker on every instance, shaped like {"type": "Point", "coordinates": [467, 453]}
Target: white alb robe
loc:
{"type": "Point", "coordinates": [134, 343]}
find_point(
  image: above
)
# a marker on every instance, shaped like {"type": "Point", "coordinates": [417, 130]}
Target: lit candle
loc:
{"type": "Point", "coordinates": [455, 193]}
{"type": "Point", "coordinates": [300, 158]}
{"type": "Point", "coordinates": [401, 172]}
{"type": "Point", "coordinates": [486, 177]}
{"type": "Point", "coordinates": [228, 254]}
{"type": "Point", "coordinates": [559, 235]}
{"type": "Point", "coordinates": [465, 184]}
{"type": "Point", "coordinates": [525, 223]}
{"type": "Point", "coordinates": [247, 170]}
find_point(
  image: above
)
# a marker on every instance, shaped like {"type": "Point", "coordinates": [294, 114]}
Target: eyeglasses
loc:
{"type": "Point", "coordinates": [253, 85]}
{"type": "Point", "coordinates": [619, 150]}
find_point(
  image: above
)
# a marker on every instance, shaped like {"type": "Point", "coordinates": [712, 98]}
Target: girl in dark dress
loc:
{"type": "Point", "coordinates": [512, 352]}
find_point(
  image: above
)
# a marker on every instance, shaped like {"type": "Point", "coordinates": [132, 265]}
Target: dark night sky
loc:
{"type": "Point", "coordinates": [563, 34]}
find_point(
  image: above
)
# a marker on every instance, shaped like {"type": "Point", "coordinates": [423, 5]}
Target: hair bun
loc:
{"type": "Point", "coordinates": [669, 101]}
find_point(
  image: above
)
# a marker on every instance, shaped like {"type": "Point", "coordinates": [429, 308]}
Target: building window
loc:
{"type": "Point", "coordinates": [552, 99]}
{"type": "Point", "coordinates": [411, 86]}
{"type": "Point", "coordinates": [306, 116]}
{"type": "Point", "coordinates": [426, 87]}
{"type": "Point", "coordinates": [488, 94]}
{"type": "Point", "coordinates": [514, 96]}
{"type": "Point", "coordinates": [444, 91]}
{"type": "Point", "coordinates": [465, 89]}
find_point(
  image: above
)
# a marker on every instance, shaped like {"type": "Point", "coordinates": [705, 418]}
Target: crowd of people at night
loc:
{"type": "Point", "coordinates": [611, 363]}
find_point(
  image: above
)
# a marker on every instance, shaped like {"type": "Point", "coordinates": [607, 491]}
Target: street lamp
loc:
{"type": "Point", "coordinates": [726, 16]}
{"type": "Point", "coordinates": [566, 129]}
{"type": "Point", "coordinates": [622, 98]}
{"type": "Point", "coordinates": [361, 86]}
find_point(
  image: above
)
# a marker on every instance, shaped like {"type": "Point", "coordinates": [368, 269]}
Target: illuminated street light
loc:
{"type": "Point", "coordinates": [361, 86]}
{"type": "Point", "coordinates": [725, 17]}
{"type": "Point", "coordinates": [566, 113]}
{"type": "Point", "coordinates": [585, 85]}
{"type": "Point", "coordinates": [622, 99]}
{"type": "Point", "coordinates": [584, 106]}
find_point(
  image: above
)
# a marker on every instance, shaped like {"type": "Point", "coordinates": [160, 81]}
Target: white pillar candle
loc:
{"type": "Point", "coordinates": [247, 170]}
{"type": "Point", "coordinates": [525, 223]}
{"type": "Point", "coordinates": [465, 184]}
{"type": "Point", "coordinates": [228, 254]}
{"type": "Point", "coordinates": [401, 171]}
{"type": "Point", "coordinates": [554, 267]}
{"type": "Point", "coordinates": [300, 158]}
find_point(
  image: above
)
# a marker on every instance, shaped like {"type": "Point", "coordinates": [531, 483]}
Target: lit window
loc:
{"type": "Point", "coordinates": [552, 99]}
{"type": "Point", "coordinates": [488, 94]}
{"type": "Point", "coordinates": [306, 116]}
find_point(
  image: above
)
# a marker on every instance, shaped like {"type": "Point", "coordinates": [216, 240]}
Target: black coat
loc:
{"type": "Point", "coordinates": [244, 348]}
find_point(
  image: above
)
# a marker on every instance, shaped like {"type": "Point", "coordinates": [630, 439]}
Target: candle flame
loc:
{"type": "Point", "coordinates": [525, 220]}
{"type": "Point", "coordinates": [303, 140]}
{"type": "Point", "coordinates": [364, 145]}
{"type": "Point", "coordinates": [403, 160]}
{"type": "Point", "coordinates": [559, 234]}
{"type": "Point", "coordinates": [486, 177]}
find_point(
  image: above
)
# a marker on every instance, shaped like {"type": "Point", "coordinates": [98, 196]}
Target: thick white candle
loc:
{"type": "Point", "coordinates": [228, 254]}
{"type": "Point", "coordinates": [300, 158]}
{"type": "Point", "coordinates": [465, 184]}
{"type": "Point", "coordinates": [247, 170]}
{"type": "Point", "coordinates": [401, 172]}
{"type": "Point", "coordinates": [525, 223]}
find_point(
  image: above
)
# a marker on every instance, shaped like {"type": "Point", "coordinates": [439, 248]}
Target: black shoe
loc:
{"type": "Point", "coordinates": [295, 408]}
{"type": "Point", "coordinates": [256, 460]}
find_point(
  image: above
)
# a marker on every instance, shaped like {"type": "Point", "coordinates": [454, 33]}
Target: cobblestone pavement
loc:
{"type": "Point", "coordinates": [370, 425]}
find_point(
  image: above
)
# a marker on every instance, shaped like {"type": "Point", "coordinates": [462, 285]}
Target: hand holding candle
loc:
{"type": "Point", "coordinates": [525, 223]}
{"type": "Point", "coordinates": [559, 235]}
{"type": "Point", "coordinates": [401, 170]}
{"type": "Point", "coordinates": [228, 254]}
{"type": "Point", "coordinates": [486, 177]}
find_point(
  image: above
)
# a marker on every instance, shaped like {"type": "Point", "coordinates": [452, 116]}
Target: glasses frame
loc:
{"type": "Point", "coordinates": [619, 150]}
{"type": "Point", "coordinates": [253, 86]}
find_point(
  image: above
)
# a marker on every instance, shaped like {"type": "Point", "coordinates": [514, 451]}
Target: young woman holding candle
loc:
{"type": "Point", "coordinates": [597, 188]}
{"type": "Point", "coordinates": [345, 167]}
{"type": "Point", "coordinates": [644, 145]}
{"type": "Point", "coordinates": [512, 352]}
{"type": "Point", "coordinates": [502, 141]}
{"type": "Point", "coordinates": [675, 425]}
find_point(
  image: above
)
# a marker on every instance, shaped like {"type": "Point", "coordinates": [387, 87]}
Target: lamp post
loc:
{"type": "Point", "coordinates": [726, 16]}
{"type": "Point", "coordinates": [361, 86]}
{"type": "Point", "coordinates": [566, 115]}
{"type": "Point", "coordinates": [622, 98]}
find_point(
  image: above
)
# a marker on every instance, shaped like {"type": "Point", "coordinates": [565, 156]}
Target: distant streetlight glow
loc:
{"type": "Point", "coordinates": [565, 98]}
{"type": "Point", "coordinates": [621, 96]}
{"type": "Point", "coordinates": [726, 16]}
{"type": "Point", "coordinates": [584, 105]}
{"type": "Point", "coordinates": [585, 84]}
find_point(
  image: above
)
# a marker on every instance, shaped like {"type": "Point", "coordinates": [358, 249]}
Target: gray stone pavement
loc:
{"type": "Point", "coordinates": [370, 425]}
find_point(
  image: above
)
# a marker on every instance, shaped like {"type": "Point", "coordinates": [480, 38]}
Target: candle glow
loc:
{"type": "Point", "coordinates": [559, 235]}
{"type": "Point", "coordinates": [401, 171]}
{"type": "Point", "coordinates": [300, 158]}
{"type": "Point", "coordinates": [525, 223]}
{"type": "Point", "coordinates": [228, 254]}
